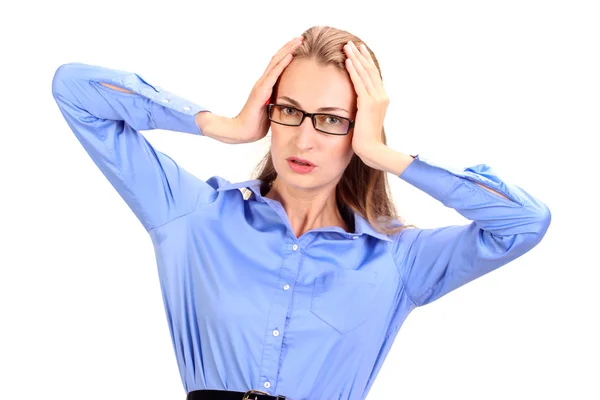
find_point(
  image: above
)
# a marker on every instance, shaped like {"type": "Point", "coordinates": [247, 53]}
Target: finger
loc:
{"type": "Point", "coordinates": [366, 54]}
{"type": "Point", "coordinates": [365, 68]}
{"type": "Point", "coordinates": [285, 49]}
{"type": "Point", "coordinates": [271, 77]}
{"type": "Point", "coordinates": [267, 82]}
{"type": "Point", "coordinates": [372, 68]}
{"type": "Point", "coordinates": [364, 60]}
{"type": "Point", "coordinates": [357, 63]}
{"type": "Point", "coordinates": [277, 56]}
{"type": "Point", "coordinates": [359, 86]}
{"type": "Point", "coordinates": [379, 93]}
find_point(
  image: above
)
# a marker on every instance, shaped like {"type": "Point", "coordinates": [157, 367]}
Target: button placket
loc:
{"type": "Point", "coordinates": [278, 315]}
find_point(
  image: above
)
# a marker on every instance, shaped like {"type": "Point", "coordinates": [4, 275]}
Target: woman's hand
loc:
{"type": "Point", "coordinates": [372, 102]}
{"type": "Point", "coordinates": [252, 123]}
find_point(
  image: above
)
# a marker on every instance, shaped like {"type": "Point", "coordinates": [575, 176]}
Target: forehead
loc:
{"type": "Point", "coordinates": [315, 86]}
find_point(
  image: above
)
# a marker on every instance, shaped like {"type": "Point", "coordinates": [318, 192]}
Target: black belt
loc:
{"type": "Point", "coordinates": [207, 394]}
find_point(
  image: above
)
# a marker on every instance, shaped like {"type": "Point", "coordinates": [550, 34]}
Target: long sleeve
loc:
{"type": "Point", "coordinates": [106, 122]}
{"type": "Point", "coordinates": [433, 262]}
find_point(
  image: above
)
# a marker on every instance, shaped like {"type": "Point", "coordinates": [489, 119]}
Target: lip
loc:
{"type": "Point", "coordinates": [300, 169]}
{"type": "Point", "coordinates": [301, 160]}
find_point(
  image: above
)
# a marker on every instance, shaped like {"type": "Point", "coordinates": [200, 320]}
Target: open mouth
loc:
{"type": "Point", "coordinates": [300, 167]}
{"type": "Point", "coordinates": [301, 163]}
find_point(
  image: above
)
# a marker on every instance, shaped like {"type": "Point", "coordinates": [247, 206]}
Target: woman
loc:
{"type": "Point", "coordinates": [298, 290]}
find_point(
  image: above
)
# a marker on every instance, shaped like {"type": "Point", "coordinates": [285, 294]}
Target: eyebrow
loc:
{"type": "Point", "coordinates": [295, 103]}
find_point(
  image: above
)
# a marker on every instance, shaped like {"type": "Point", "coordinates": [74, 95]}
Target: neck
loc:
{"type": "Point", "coordinates": [307, 210]}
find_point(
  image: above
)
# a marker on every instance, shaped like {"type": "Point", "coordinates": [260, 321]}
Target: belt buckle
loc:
{"type": "Point", "coordinates": [251, 392]}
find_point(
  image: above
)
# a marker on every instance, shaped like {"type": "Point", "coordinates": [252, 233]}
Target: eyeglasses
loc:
{"type": "Point", "coordinates": [326, 123]}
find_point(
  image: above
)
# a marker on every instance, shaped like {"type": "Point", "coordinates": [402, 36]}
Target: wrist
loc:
{"type": "Point", "coordinates": [386, 159]}
{"type": "Point", "coordinates": [203, 120]}
{"type": "Point", "coordinates": [371, 152]}
{"type": "Point", "coordinates": [214, 126]}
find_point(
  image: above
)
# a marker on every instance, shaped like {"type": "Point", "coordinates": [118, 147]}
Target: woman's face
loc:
{"type": "Point", "coordinates": [308, 86]}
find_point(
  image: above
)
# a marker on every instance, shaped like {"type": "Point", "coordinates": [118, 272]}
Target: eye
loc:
{"type": "Point", "coordinates": [331, 120]}
{"type": "Point", "coordinates": [289, 110]}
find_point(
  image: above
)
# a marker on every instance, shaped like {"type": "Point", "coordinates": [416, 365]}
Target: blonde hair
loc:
{"type": "Point", "coordinates": [361, 189]}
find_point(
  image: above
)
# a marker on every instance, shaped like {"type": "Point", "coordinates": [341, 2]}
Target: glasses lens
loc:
{"type": "Point", "coordinates": [332, 124]}
{"type": "Point", "coordinates": [285, 115]}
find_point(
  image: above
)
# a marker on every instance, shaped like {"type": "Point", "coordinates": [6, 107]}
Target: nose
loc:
{"type": "Point", "coordinates": [306, 134]}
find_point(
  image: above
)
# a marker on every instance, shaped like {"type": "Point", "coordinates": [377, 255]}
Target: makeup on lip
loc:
{"type": "Point", "coordinates": [300, 168]}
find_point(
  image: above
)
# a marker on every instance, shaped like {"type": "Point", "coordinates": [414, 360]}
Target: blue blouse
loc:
{"type": "Point", "coordinates": [248, 304]}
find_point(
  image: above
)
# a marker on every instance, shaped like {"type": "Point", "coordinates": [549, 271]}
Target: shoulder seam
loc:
{"type": "Point", "coordinates": [408, 296]}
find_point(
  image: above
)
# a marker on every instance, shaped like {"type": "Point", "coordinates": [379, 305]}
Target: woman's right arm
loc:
{"type": "Point", "coordinates": [106, 122]}
{"type": "Point", "coordinates": [211, 125]}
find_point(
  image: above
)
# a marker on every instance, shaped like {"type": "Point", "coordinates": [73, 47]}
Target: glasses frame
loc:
{"type": "Point", "coordinates": [312, 117]}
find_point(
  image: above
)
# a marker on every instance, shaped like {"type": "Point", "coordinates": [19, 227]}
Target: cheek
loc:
{"type": "Point", "coordinates": [278, 147]}
{"type": "Point", "coordinates": [345, 147]}
{"type": "Point", "coordinates": [276, 139]}
{"type": "Point", "coordinates": [342, 153]}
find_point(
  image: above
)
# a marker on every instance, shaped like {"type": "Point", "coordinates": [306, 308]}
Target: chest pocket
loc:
{"type": "Point", "coordinates": [344, 298]}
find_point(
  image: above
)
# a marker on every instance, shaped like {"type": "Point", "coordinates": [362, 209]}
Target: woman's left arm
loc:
{"type": "Point", "coordinates": [388, 160]}
{"type": "Point", "coordinates": [506, 221]}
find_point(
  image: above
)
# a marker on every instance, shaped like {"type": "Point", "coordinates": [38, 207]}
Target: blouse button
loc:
{"type": "Point", "coordinates": [275, 332]}
{"type": "Point", "coordinates": [267, 384]}
{"type": "Point", "coordinates": [286, 287]}
{"type": "Point", "coordinates": [165, 100]}
{"type": "Point", "coordinates": [295, 247]}
{"type": "Point", "coordinates": [186, 108]}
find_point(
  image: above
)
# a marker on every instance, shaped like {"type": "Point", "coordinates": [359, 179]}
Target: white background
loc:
{"type": "Point", "coordinates": [513, 84]}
